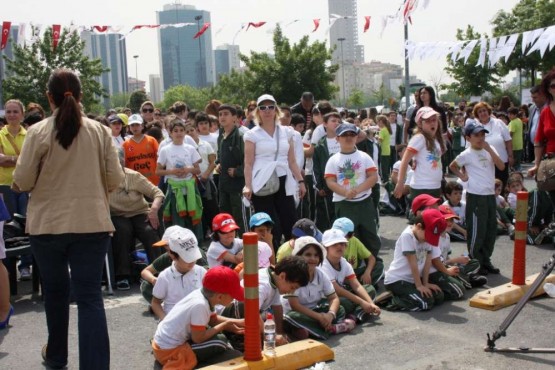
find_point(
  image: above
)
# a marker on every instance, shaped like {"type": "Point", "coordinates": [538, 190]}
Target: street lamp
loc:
{"type": "Point", "coordinates": [136, 72]}
{"type": "Point", "coordinates": [201, 77]}
{"type": "Point", "coordinates": [341, 39]}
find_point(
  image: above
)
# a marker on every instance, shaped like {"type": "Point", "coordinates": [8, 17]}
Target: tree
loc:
{"type": "Point", "coordinates": [291, 70]}
{"type": "Point", "coordinates": [381, 96]}
{"type": "Point", "coordinates": [471, 79]}
{"type": "Point", "coordinates": [119, 100]}
{"type": "Point", "coordinates": [527, 15]}
{"type": "Point", "coordinates": [32, 64]}
{"type": "Point", "coordinates": [195, 98]}
{"type": "Point", "coordinates": [356, 99]}
{"type": "Point", "coordinates": [136, 99]}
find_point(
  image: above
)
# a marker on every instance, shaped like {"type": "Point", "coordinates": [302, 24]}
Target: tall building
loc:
{"type": "Point", "coordinates": [184, 60]}
{"type": "Point", "coordinates": [226, 58]}
{"type": "Point", "coordinates": [345, 29]}
{"type": "Point", "coordinates": [155, 88]}
{"type": "Point", "coordinates": [7, 52]}
{"type": "Point", "coordinates": [111, 50]}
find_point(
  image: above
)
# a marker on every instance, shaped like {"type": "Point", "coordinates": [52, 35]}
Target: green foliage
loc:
{"type": "Point", "coordinates": [469, 78]}
{"type": "Point", "coordinates": [292, 70]}
{"type": "Point", "coordinates": [381, 96]}
{"type": "Point", "coordinates": [30, 68]}
{"type": "Point", "coordinates": [193, 97]}
{"type": "Point", "coordinates": [119, 100]}
{"type": "Point", "coordinates": [356, 99]}
{"type": "Point", "coordinates": [137, 98]}
{"type": "Point", "coordinates": [527, 15]}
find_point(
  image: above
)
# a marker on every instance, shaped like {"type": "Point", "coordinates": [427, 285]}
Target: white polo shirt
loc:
{"type": "Point", "coordinates": [172, 286]}
{"type": "Point", "coordinates": [399, 269]}
{"type": "Point", "coordinates": [216, 251]}
{"type": "Point", "coordinates": [309, 296]}
{"type": "Point", "coordinates": [341, 275]}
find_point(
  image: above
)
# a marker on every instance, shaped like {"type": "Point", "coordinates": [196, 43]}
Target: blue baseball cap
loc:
{"type": "Point", "coordinates": [346, 127]}
{"type": "Point", "coordinates": [260, 218]}
{"type": "Point", "coordinates": [344, 224]}
{"type": "Point", "coordinates": [474, 128]}
{"type": "Point", "coordinates": [306, 227]}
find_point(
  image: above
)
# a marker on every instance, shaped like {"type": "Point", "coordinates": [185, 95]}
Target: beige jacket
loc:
{"type": "Point", "coordinates": [69, 188]}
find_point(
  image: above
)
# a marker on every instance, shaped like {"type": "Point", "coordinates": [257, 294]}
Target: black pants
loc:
{"type": "Point", "coordinates": [281, 208]}
{"type": "Point", "coordinates": [123, 241]}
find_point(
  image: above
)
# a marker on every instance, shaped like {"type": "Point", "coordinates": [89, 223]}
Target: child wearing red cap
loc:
{"type": "Point", "coordinates": [190, 333]}
{"type": "Point", "coordinates": [407, 276]}
{"type": "Point", "coordinates": [225, 248]}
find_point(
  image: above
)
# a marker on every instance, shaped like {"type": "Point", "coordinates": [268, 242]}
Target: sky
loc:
{"type": "Point", "coordinates": [438, 22]}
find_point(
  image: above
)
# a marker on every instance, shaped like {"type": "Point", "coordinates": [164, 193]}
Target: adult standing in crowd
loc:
{"type": "Point", "coordinates": [268, 149]}
{"type": "Point", "coordinates": [545, 133]}
{"type": "Point", "coordinates": [147, 112]}
{"type": "Point", "coordinates": [12, 136]}
{"type": "Point", "coordinates": [69, 164]}
{"type": "Point", "coordinates": [304, 107]}
{"type": "Point", "coordinates": [498, 136]}
{"type": "Point", "coordinates": [539, 102]}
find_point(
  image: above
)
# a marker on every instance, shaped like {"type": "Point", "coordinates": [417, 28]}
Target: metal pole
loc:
{"type": "Point", "coordinates": [201, 77]}
{"type": "Point", "coordinates": [407, 77]}
{"type": "Point", "coordinates": [136, 73]}
{"type": "Point", "coordinates": [341, 39]}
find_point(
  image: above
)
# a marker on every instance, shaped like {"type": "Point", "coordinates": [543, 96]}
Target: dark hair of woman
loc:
{"type": "Point", "coordinates": [64, 89]}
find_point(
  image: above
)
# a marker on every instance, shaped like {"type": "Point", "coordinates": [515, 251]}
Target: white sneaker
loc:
{"type": "Point", "coordinates": [25, 274]}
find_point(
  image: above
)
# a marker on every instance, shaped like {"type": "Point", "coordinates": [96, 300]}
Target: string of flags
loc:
{"type": "Point", "coordinates": [495, 48]}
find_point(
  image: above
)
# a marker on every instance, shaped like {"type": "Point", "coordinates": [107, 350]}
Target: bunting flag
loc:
{"type": "Point", "coordinates": [100, 29]}
{"type": "Point", "coordinates": [144, 26]}
{"type": "Point", "coordinates": [5, 34]}
{"type": "Point", "coordinates": [408, 9]}
{"type": "Point", "coordinates": [21, 34]}
{"type": "Point", "coordinates": [202, 30]}
{"type": "Point", "coordinates": [366, 23]}
{"type": "Point", "coordinates": [255, 25]}
{"type": "Point", "coordinates": [316, 24]}
{"type": "Point", "coordinates": [55, 35]}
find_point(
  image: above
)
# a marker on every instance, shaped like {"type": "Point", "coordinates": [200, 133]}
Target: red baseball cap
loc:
{"type": "Point", "coordinates": [447, 212]}
{"type": "Point", "coordinates": [423, 200]}
{"type": "Point", "coordinates": [224, 223]}
{"type": "Point", "coordinates": [434, 225]}
{"type": "Point", "coordinates": [222, 279]}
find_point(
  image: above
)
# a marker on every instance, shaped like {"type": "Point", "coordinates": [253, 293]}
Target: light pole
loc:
{"type": "Point", "coordinates": [136, 72]}
{"type": "Point", "coordinates": [341, 39]}
{"type": "Point", "coordinates": [201, 77]}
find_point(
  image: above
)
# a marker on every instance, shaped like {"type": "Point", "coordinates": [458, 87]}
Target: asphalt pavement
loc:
{"type": "Point", "coordinates": [450, 336]}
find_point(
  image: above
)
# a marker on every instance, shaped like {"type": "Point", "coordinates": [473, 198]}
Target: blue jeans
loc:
{"type": "Point", "coordinates": [84, 254]}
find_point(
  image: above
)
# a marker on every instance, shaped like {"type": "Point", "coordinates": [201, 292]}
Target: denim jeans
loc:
{"type": "Point", "coordinates": [84, 254]}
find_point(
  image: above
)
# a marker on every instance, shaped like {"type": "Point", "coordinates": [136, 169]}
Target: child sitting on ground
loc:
{"type": "Point", "coordinates": [314, 310]}
{"type": "Point", "coordinates": [504, 214]}
{"type": "Point", "coordinates": [355, 298]}
{"type": "Point", "coordinates": [182, 277]}
{"type": "Point", "coordinates": [261, 223]}
{"type": "Point", "coordinates": [303, 227]}
{"type": "Point", "coordinates": [408, 275]}
{"type": "Point", "coordinates": [190, 332]}
{"type": "Point", "coordinates": [367, 270]}
{"type": "Point", "coordinates": [225, 248]}
{"type": "Point", "coordinates": [453, 193]}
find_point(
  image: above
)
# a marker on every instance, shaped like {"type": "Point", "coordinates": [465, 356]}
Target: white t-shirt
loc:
{"type": "Point", "coordinates": [298, 147]}
{"type": "Point", "coordinates": [266, 146]}
{"type": "Point", "coordinates": [497, 136]}
{"type": "Point", "coordinates": [268, 294]}
{"type": "Point", "coordinates": [308, 164]}
{"type": "Point", "coordinates": [319, 132]}
{"type": "Point", "coordinates": [500, 201]}
{"type": "Point", "coordinates": [216, 251]}
{"type": "Point", "coordinates": [480, 169]}
{"type": "Point", "coordinates": [205, 150]}
{"type": "Point", "coordinates": [118, 141]}
{"type": "Point", "coordinates": [442, 251]}
{"type": "Point", "coordinates": [459, 209]}
{"type": "Point", "coordinates": [410, 172]}
{"type": "Point", "coordinates": [212, 139]}
{"type": "Point", "coordinates": [172, 286]}
{"type": "Point", "coordinates": [309, 296]}
{"type": "Point", "coordinates": [399, 269]}
{"type": "Point", "coordinates": [333, 145]}
{"type": "Point", "coordinates": [393, 134]}
{"type": "Point", "coordinates": [178, 156]}
{"type": "Point", "coordinates": [191, 312]}
{"type": "Point", "coordinates": [428, 172]}
{"type": "Point", "coordinates": [350, 171]}
{"type": "Point", "coordinates": [264, 254]}
{"type": "Point", "coordinates": [340, 276]}
{"type": "Point", "coordinates": [511, 199]}
{"type": "Point", "coordinates": [187, 140]}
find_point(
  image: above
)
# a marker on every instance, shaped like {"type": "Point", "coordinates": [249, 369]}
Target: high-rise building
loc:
{"type": "Point", "coordinates": [155, 88]}
{"type": "Point", "coordinates": [226, 58]}
{"type": "Point", "coordinates": [184, 60]}
{"type": "Point", "coordinates": [111, 50]}
{"type": "Point", "coordinates": [7, 52]}
{"type": "Point", "coordinates": [345, 28]}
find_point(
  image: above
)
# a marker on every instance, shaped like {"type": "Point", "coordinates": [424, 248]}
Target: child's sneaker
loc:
{"type": "Point", "coordinates": [477, 280]}
{"type": "Point", "coordinates": [344, 326]}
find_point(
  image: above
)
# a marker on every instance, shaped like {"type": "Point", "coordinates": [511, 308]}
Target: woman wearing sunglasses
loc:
{"type": "Point", "coordinates": [147, 112]}
{"type": "Point", "coordinates": [269, 150]}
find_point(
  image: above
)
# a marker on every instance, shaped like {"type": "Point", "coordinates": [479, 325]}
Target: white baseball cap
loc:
{"type": "Point", "coordinates": [265, 97]}
{"type": "Point", "coordinates": [135, 119]}
{"type": "Point", "coordinates": [184, 243]}
{"type": "Point", "coordinates": [333, 236]}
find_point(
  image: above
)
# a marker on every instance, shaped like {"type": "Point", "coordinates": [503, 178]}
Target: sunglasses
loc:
{"type": "Point", "coordinates": [147, 110]}
{"type": "Point", "coordinates": [264, 107]}
{"type": "Point", "coordinates": [348, 134]}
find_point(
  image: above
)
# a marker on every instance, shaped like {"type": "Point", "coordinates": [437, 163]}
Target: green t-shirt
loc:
{"type": "Point", "coordinates": [356, 252]}
{"type": "Point", "coordinates": [161, 263]}
{"type": "Point", "coordinates": [385, 137]}
{"type": "Point", "coordinates": [284, 250]}
{"type": "Point", "coordinates": [515, 128]}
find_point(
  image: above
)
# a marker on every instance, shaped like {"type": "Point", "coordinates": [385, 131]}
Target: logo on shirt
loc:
{"type": "Point", "coordinates": [347, 174]}
{"type": "Point", "coordinates": [434, 158]}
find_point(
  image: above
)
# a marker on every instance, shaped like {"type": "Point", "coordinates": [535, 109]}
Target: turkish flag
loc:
{"type": "Point", "coordinates": [101, 28]}
{"type": "Point", "coordinates": [202, 30]}
{"type": "Point", "coordinates": [255, 25]}
{"type": "Point", "coordinates": [55, 35]}
{"type": "Point", "coordinates": [366, 23]}
{"type": "Point", "coordinates": [5, 34]}
{"type": "Point", "coordinates": [316, 24]}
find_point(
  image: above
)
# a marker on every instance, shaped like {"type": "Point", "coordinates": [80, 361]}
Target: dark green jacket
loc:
{"type": "Point", "coordinates": [319, 160]}
{"type": "Point", "coordinates": [231, 154]}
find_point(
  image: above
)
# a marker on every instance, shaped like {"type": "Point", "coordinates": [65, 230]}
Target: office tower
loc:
{"type": "Point", "coordinates": [226, 58]}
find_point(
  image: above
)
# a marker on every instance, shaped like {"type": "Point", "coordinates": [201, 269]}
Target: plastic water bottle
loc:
{"type": "Point", "coordinates": [269, 335]}
{"type": "Point", "coordinates": [548, 287]}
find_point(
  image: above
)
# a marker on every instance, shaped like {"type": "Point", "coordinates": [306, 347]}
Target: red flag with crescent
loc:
{"type": "Point", "coordinates": [56, 28]}
{"type": "Point", "coordinates": [316, 24]}
{"type": "Point", "coordinates": [366, 23]}
{"type": "Point", "coordinates": [202, 30]}
{"type": "Point", "coordinates": [5, 34]}
{"type": "Point", "coordinates": [255, 25]}
{"type": "Point", "coordinates": [101, 28]}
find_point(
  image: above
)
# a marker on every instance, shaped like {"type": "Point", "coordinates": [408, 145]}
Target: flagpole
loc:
{"type": "Point", "coordinates": [407, 76]}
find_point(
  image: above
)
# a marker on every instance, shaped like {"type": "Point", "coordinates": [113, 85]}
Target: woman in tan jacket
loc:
{"type": "Point", "coordinates": [69, 164]}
